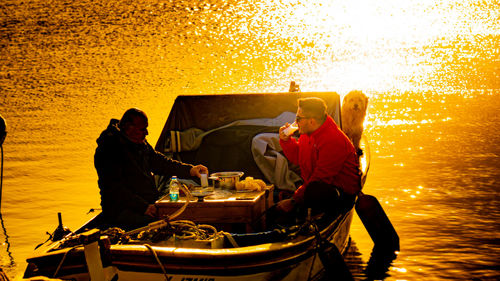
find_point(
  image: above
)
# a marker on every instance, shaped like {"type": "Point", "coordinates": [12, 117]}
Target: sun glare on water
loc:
{"type": "Point", "coordinates": [363, 44]}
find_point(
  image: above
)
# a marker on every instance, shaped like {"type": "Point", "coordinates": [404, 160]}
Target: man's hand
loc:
{"type": "Point", "coordinates": [198, 170]}
{"type": "Point", "coordinates": [286, 206]}
{"type": "Point", "coordinates": [283, 136]}
{"type": "Point", "coordinates": [152, 211]}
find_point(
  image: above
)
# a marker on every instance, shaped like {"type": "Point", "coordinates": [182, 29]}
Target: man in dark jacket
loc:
{"type": "Point", "coordinates": [125, 163]}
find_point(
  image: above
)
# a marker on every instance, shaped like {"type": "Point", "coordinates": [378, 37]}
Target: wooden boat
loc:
{"type": "Point", "coordinates": [241, 248]}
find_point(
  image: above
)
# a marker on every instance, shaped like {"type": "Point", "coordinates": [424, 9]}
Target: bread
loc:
{"type": "Point", "coordinates": [250, 184]}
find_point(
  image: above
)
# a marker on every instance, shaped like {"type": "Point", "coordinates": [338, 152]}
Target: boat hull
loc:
{"type": "Point", "coordinates": [294, 260]}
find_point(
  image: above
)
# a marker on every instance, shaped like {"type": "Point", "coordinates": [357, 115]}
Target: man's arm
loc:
{"type": "Point", "coordinates": [162, 165]}
{"type": "Point", "coordinates": [291, 150]}
{"type": "Point", "coordinates": [289, 145]}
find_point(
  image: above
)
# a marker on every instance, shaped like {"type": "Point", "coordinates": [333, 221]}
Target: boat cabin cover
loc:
{"type": "Point", "coordinates": [217, 130]}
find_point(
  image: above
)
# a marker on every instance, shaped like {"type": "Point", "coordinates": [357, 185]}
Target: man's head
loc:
{"type": "Point", "coordinates": [311, 114]}
{"type": "Point", "coordinates": [134, 124]}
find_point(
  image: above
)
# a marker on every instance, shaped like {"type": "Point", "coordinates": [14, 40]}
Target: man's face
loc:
{"type": "Point", "coordinates": [303, 122]}
{"type": "Point", "coordinates": [137, 130]}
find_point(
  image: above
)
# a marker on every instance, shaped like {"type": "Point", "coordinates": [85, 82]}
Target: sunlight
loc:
{"type": "Point", "coordinates": [401, 270]}
{"type": "Point", "coordinates": [362, 44]}
{"type": "Point", "coordinates": [398, 122]}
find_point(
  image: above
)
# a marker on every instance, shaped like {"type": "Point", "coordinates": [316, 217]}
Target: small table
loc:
{"type": "Point", "coordinates": [224, 209]}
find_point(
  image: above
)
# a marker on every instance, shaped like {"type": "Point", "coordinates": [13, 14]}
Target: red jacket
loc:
{"type": "Point", "coordinates": [326, 155]}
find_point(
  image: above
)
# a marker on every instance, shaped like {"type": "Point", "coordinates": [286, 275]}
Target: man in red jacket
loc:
{"type": "Point", "coordinates": [328, 162]}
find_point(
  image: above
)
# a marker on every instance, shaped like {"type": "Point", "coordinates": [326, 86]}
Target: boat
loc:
{"type": "Point", "coordinates": [227, 245]}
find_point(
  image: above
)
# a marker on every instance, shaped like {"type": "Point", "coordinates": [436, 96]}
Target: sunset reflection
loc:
{"type": "Point", "coordinates": [430, 69]}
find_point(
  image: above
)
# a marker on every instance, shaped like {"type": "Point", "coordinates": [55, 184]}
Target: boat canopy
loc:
{"type": "Point", "coordinates": [210, 111]}
{"type": "Point", "coordinates": [206, 129]}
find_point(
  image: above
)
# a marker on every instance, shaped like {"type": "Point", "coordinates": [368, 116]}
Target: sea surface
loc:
{"type": "Point", "coordinates": [431, 69]}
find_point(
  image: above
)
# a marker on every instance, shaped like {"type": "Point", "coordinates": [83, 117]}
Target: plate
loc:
{"type": "Point", "coordinates": [201, 193]}
{"type": "Point", "coordinates": [245, 191]}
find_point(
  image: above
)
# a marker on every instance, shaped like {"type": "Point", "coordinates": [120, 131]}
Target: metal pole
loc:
{"type": "Point", "coordinates": [1, 177]}
{"type": "Point", "coordinates": [3, 134]}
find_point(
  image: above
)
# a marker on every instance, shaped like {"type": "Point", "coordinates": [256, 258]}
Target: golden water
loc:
{"type": "Point", "coordinates": [431, 69]}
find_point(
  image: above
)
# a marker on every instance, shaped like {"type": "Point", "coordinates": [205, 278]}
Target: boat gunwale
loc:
{"type": "Point", "coordinates": [254, 249]}
{"type": "Point", "coordinates": [239, 261]}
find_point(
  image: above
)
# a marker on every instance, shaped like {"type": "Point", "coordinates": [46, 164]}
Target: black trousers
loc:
{"type": "Point", "coordinates": [326, 198]}
{"type": "Point", "coordinates": [321, 198]}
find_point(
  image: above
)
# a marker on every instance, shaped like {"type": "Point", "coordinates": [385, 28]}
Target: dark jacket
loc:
{"type": "Point", "coordinates": [126, 169]}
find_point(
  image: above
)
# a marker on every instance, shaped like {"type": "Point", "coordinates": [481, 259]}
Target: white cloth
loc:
{"type": "Point", "coordinates": [274, 165]}
{"type": "Point", "coordinates": [265, 148]}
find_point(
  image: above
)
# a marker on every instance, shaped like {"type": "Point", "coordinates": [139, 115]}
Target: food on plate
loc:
{"type": "Point", "coordinates": [250, 184]}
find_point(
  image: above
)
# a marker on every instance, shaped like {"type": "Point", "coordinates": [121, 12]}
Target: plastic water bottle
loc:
{"type": "Point", "coordinates": [174, 189]}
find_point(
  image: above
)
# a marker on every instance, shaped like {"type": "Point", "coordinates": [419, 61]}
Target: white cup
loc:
{"type": "Point", "coordinates": [204, 180]}
{"type": "Point", "coordinates": [291, 129]}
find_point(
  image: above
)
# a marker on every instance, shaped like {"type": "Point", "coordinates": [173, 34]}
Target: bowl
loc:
{"type": "Point", "coordinates": [226, 180]}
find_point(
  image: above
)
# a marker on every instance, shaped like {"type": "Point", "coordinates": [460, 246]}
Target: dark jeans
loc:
{"type": "Point", "coordinates": [321, 198]}
{"type": "Point", "coordinates": [326, 198]}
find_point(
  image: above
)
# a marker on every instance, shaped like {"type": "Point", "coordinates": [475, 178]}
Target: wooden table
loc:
{"type": "Point", "coordinates": [226, 209]}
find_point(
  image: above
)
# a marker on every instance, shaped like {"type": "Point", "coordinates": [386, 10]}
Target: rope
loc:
{"type": "Point", "coordinates": [157, 260]}
{"type": "Point", "coordinates": [190, 230]}
{"type": "Point", "coordinates": [165, 222]}
{"type": "Point", "coordinates": [312, 265]}
{"type": "Point", "coordinates": [317, 247]}
{"type": "Point", "coordinates": [212, 228]}
{"type": "Point", "coordinates": [231, 239]}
